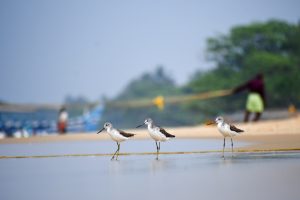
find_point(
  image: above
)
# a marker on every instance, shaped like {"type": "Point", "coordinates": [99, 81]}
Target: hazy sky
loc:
{"type": "Point", "coordinates": [52, 48]}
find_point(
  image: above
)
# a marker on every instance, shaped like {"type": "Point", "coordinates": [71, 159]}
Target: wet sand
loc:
{"type": "Point", "coordinates": [265, 135]}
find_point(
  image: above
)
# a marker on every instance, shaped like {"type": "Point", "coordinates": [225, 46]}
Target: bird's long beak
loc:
{"type": "Point", "coordinates": [100, 130]}
{"type": "Point", "coordinates": [210, 122]}
{"type": "Point", "coordinates": [140, 125]}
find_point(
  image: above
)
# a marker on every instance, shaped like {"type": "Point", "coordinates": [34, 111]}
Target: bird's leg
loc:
{"type": "Point", "coordinates": [115, 152]}
{"type": "Point", "coordinates": [118, 151]}
{"type": "Point", "coordinates": [231, 148]}
{"type": "Point", "coordinates": [158, 146]}
{"type": "Point", "coordinates": [223, 148]}
{"type": "Point", "coordinates": [157, 150]}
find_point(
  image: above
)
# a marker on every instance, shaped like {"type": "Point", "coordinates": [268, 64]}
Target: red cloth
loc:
{"type": "Point", "coordinates": [61, 126]}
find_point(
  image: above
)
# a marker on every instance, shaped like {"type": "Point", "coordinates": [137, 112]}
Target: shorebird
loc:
{"type": "Point", "coordinates": [157, 133]}
{"type": "Point", "coordinates": [117, 135]}
{"type": "Point", "coordinates": [227, 130]}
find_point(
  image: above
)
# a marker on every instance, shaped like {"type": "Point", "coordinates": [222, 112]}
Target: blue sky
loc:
{"type": "Point", "coordinates": [53, 48]}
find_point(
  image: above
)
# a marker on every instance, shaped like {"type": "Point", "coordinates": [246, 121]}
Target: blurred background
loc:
{"type": "Point", "coordinates": [71, 65]}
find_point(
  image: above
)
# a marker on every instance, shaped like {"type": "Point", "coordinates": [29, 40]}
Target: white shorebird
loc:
{"type": "Point", "coordinates": [157, 133]}
{"type": "Point", "coordinates": [117, 135]}
{"type": "Point", "coordinates": [227, 130]}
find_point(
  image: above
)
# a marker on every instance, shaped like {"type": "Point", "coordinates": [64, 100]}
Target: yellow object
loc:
{"type": "Point", "coordinates": [292, 109]}
{"type": "Point", "coordinates": [159, 101]}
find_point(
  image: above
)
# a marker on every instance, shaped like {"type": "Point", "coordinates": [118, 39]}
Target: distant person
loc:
{"type": "Point", "coordinates": [62, 121]}
{"type": "Point", "coordinates": [256, 100]}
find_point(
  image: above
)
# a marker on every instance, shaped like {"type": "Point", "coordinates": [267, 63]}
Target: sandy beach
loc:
{"type": "Point", "coordinates": [268, 135]}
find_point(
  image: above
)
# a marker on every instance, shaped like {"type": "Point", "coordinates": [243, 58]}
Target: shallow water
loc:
{"type": "Point", "coordinates": [273, 175]}
{"type": "Point", "coordinates": [102, 147]}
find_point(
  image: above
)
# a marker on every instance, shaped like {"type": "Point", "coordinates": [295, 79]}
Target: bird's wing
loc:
{"type": "Point", "coordinates": [233, 128]}
{"type": "Point", "coordinates": [163, 131]}
{"type": "Point", "coordinates": [125, 134]}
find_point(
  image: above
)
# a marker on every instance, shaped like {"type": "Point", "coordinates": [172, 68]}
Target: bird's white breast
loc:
{"type": "Point", "coordinates": [156, 134]}
{"type": "Point", "coordinates": [116, 136]}
{"type": "Point", "coordinates": [225, 130]}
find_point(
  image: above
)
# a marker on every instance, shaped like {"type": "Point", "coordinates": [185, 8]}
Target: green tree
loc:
{"type": "Point", "coordinates": [272, 37]}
